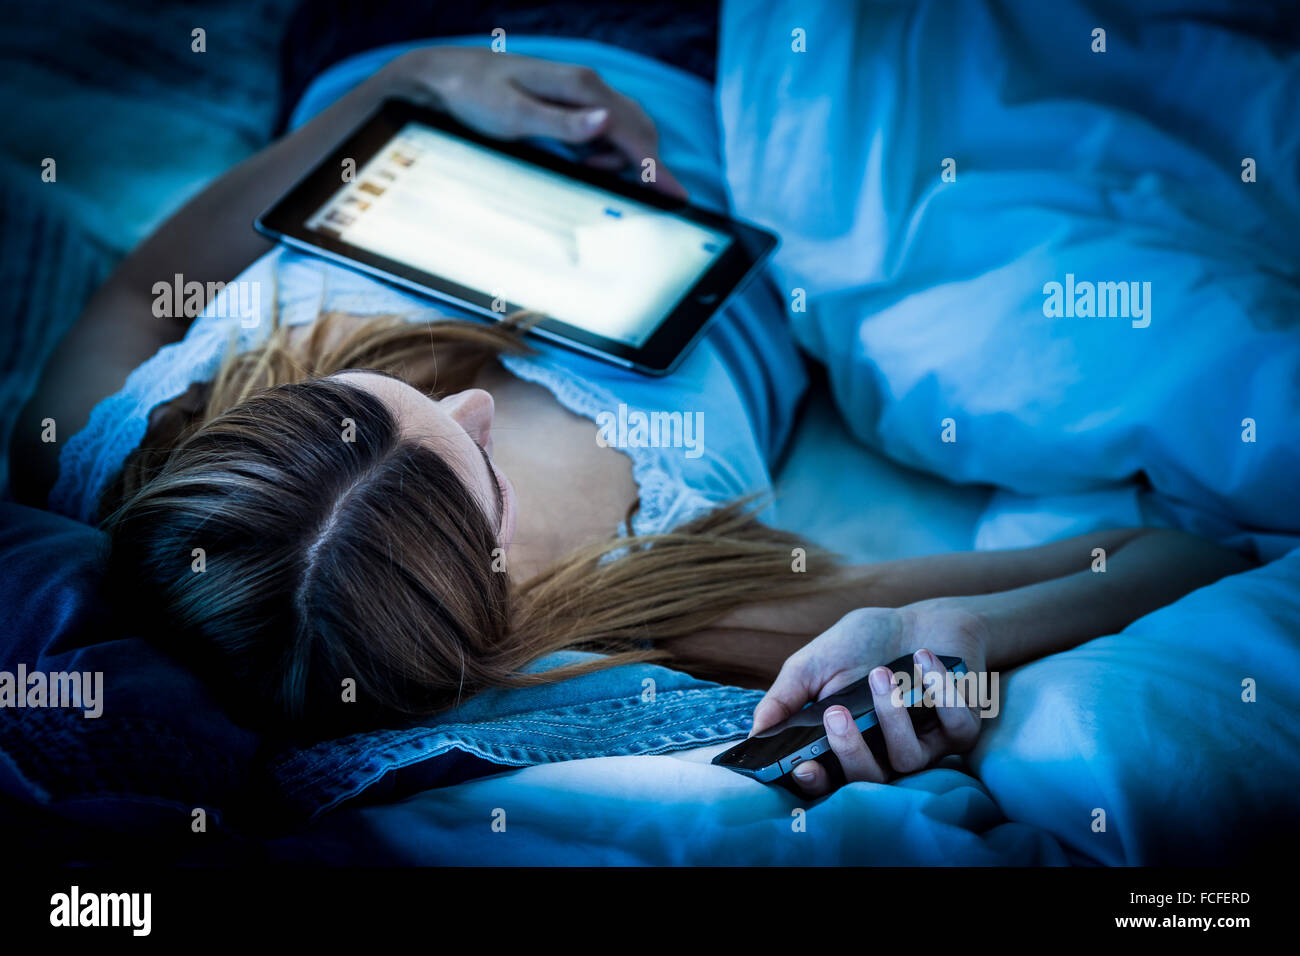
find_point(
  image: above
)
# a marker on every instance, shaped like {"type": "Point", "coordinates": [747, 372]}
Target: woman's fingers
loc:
{"type": "Point", "coordinates": [812, 778]}
{"type": "Point", "coordinates": [562, 82]}
{"type": "Point", "coordinates": [959, 723]}
{"type": "Point", "coordinates": [532, 117]}
{"type": "Point", "coordinates": [630, 127]}
{"type": "Point", "coordinates": [668, 184]}
{"type": "Point", "coordinates": [526, 115]}
{"type": "Point", "coordinates": [906, 753]}
{"type": "Point", "coordinates": [510, 97]}
{"type": "Point", "coordinates": [849, 747]}
{"type": "Point", "coordinates": [563, 88]}
{"type": "Point", "coordinates": [794, 686]}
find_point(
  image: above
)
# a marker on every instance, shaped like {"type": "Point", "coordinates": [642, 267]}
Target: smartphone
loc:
{"type": "Point", "coordinates": [775, 752]}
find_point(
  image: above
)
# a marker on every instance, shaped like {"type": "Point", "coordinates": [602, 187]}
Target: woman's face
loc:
{"type": "Point", "coordinates": [459, 429]}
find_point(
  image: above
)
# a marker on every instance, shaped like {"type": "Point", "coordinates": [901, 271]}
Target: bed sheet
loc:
{"type": "Point", "coordinates": [864, 506]}
{"type": "Point", "coordinates": [675, 810]}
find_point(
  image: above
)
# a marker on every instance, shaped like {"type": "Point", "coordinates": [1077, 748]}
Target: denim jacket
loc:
{"type": "Point", "coordinates": [627, 710]}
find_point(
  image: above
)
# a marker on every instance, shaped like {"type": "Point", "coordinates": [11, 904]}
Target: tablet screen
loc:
{"type": "Point", "coordinates": [537, 239]}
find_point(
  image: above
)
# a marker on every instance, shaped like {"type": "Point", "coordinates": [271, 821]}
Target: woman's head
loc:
{"type": "Point", "coordinates": [327, 546]}
{"type": "Point", "coordinates": [332, 548]}
{"type": "Point", "coordinates": [458, 427]}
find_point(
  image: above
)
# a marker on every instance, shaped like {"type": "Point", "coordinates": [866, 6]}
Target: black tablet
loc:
{"type": "Point", "coordinates": [620, 271]}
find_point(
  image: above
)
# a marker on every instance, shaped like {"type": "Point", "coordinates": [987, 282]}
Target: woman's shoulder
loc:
{"type": "Point", "coordinates": [688, 435]}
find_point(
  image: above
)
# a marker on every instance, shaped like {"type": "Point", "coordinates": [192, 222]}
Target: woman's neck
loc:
{"type": "Point", "coordinates": [571, 490]}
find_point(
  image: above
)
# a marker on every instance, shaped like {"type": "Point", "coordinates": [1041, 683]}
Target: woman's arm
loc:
{"type": "Point", "coordinates": [211, 238]}
{"type": "Point", "coordinates": [1152, 570]}
{"type": "Point", "coordinates": [1035, 600]}
{"type": "Point", "coordinates": [990, 632]}
{"type": "Point", "coordinates": [908, 580]}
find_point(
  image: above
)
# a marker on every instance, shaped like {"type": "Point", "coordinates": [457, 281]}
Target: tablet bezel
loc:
{"type": "Point", "coordinates": [657, 355]}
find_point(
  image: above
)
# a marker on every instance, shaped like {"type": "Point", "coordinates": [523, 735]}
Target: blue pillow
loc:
{"type": "Point", "coordinates": [160, 745]}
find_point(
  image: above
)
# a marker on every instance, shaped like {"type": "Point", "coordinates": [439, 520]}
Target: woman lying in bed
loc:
{"type": "Point", "coordinates": [424, 509]}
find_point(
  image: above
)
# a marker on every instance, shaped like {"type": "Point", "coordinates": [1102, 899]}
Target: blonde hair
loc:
{"type": "Point", "coordinates": [294, 601]}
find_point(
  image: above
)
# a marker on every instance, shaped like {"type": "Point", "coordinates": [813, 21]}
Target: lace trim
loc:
{"type": "Point", "coordinates": [660, 494]}
{"type": "Point", "coordinates": [93, 456]}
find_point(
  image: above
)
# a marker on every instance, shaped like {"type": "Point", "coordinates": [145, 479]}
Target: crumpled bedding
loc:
{"type": "Point", "coordinates": [1072, 275]}
{"type": "Point", "coordinates": [1155, 727]}
{"type": "Point", "coordinates": [1172, 742]}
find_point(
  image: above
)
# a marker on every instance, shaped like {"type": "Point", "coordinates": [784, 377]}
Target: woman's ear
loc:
{"type": "Point", "coordinates": [472, 410]}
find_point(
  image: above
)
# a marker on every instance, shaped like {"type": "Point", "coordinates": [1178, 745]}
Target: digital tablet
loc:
{"type": "Point", "coordinates": [620, 271]}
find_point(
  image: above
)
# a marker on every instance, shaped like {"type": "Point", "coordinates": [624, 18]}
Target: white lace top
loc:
{"type": "Point", "coordinates": [676, 483]}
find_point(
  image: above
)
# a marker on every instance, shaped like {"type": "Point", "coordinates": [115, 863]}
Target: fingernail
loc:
{"type": "Point", "coordinates": [803, 772]}
{"type": "Point", "coordinates": [595, 118]}
{"type": "Point", "coordinates": [881, 679]}
{"type": "Point", "coordinates": [926, 659]}
{"type": "Point", "coordinates": [836, 720]}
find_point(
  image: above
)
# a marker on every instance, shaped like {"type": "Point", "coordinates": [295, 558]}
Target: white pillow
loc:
{"type": "Point", "coordinates": [1181, 730]}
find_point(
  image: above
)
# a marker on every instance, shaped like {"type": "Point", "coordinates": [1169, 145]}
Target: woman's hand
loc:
{"type": "Point", "coordinates": [863, 640]}
{"type": "Point", "coordinates": [510, 97]}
